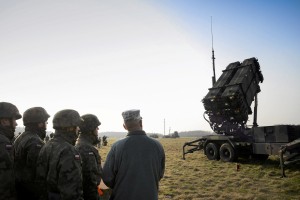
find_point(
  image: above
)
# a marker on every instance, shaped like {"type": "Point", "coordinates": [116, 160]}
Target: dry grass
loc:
{"type": "Point", "coordinates": [199, 178]}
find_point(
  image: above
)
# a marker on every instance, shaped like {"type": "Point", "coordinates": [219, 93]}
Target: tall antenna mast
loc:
{"type": "Point", "coordinates": [213, 54]}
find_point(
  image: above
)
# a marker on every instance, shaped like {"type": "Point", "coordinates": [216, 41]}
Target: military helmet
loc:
{"type": "Point", "coordinates": [90, 123]}
{"type": "Point", "coordinates": [35, 115]}
{"type": "Point", "coordinates": [8, 110]}
{"type": "Point", "coordinates": [66, 118]}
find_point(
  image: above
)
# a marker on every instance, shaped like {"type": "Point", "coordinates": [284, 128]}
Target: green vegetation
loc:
{"type": "Point", "coordinates": [200, 178]}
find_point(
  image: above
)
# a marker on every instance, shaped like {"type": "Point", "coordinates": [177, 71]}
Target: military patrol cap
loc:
{"type": "Point", "coordinates": [130, 115]}
{"type": "Point", "coordinates": [9, 110]}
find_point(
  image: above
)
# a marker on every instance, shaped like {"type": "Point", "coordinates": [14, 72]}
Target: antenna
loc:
{"type": "Point", "coordinates": [213, 53]}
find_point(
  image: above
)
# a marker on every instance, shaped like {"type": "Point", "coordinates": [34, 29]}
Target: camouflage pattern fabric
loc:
{"type": "Point", "coordinates": [9, 110]}
{"type": "Point", "coordinates": [35, 115]}
{"type": "Point", "coordinates": [90, 123]}
{"type": "Point", "coordinates": [59, 169]}
{"type": "Point", "coordinates": [66, 118]}
{"type": "Point", "coordinates": [27, 147]}
{"type": "Point", "coordinates": [133, 114]}
{"type": "Point", "coordinates": [91, 166]}
{"type": "Point", "coordinates": [7, 183]}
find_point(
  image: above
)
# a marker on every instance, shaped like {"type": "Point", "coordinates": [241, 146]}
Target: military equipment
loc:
{"type": "Point", "coordinates": [66, 118]}
{"type": "Point", "coordinates": [35, 115]}
{"type": "Point", "coordinates": [8, 110]}
{"type": "Point", "coordinates": [90, 123]}
{"type": "Point", "coordinates": [228, 105]}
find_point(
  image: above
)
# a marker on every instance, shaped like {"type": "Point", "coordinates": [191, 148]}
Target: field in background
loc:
{"type": "Point", "coordinates": [199, 178]}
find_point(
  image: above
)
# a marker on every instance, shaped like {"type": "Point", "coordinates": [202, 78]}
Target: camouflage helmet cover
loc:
{"type": "Point", "coordinates": [66, 118]}
{"type": "Point", "coordinates": [90, 123]}
{"type": "Point", "coordinates": [9, 110]}
{"type": "Point", "coordinates": [35, 115]}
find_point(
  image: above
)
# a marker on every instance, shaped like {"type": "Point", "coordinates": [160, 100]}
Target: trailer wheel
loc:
{"type": "Point", "coordinates": [212, 151]}
{"type": "Point", "coordinates": [227, 153]}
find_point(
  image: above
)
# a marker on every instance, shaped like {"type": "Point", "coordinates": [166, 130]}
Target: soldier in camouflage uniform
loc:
{"type": "Point", "coordinates": [8, 116]}
{"type": "Point", "coordinates": [91, 160]}
{"type": "Point", "coordinates": [59, 163]}
{"type": "Point", "coordinates": [27, 147]}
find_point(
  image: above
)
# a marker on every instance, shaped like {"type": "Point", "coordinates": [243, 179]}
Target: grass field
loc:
{"type": "Point", "coordinates": [200, 178]}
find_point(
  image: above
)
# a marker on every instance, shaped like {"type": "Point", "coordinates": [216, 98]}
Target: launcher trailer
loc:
{"type": "Point", "coordinates": [227, 108]}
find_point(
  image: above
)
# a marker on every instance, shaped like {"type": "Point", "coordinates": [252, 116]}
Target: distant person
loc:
{"type": "Point", "coordinates": [134, 165]}
{"type": "Point", "coordinates": [9, 113]}
{"type": "Point", "coordinates": [91, 160]}
{"type": "Point", "coordinates": [104, 140]}
{"type": "Point", "coordinates": [27, 147]}
{"type": "Point", "coordinates": [59, 164]}
{"type": "Point", "coordinates": [99, 143]}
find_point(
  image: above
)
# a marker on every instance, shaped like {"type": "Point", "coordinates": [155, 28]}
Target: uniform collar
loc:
{"type": "Point", "coordinates": [69, 137]}
{"type": "Point", "coordinates": [141, 132]}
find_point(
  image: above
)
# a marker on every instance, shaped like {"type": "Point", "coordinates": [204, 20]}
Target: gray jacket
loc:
{"type": "Point", "coordinates": [134, 166]}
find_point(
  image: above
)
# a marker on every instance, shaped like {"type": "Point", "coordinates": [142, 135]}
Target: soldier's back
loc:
{"type": "Point", "coordinates": [59, 170]}
{"type": "Point", "coordinates": [7, 183]}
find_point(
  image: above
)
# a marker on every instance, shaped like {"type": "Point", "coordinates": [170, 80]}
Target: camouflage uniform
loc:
{"type": "Point", "coordinates": [91, 160]}
{"type": "Point", "coordinates": [7, 177]}
{"type": "Point", "coordinates": [59, 163]}
{"type": "Point", "coordinates": [27, 147]}
{"type": "Point", "coordinates": [7, 184]}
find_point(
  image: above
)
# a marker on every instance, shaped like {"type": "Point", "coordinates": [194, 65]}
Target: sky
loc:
{"type": "Point", "coordinates": [104, 57]}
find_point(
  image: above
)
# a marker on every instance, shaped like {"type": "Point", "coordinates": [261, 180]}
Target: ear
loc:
{"type": "Point", "coordinates": [141, 123]}
{"type": "Point", "coordinates": [125, 127]}
{"type": "Point", "coordinates": [4, 122]}
{"type": "Point", "coordinates": [42, 124]}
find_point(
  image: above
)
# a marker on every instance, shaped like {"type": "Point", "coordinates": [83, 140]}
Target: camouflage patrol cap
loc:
{"type": "Point", "coordinates": [90, 123]}
{"type": "Point", "coordinates": [35, 115]}
{"type": "Point", "coordinates": [130, 115]}
{"type": "Point", "coordinates": [66, 118]}
{"type": "Point", "coordinates": [9, 110]}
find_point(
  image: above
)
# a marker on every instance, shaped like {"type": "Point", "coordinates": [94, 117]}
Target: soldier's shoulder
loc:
{"type": "Point", "coordinates": [84, 146]}
{"type": "Point", "coordinates": [29, 139]}
{"type": "Point", "coordinates": [155, 141]}
{"type": "Point", "coordinates": [36, 139]}
{"type": "Point", "coordinates": [4, 139]}
{"type": "Point", "coordinates": [67, 147]}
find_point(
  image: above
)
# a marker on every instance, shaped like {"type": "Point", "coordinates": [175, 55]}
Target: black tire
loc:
{"type": "Point", "coordinates": [212, 151]}
{"type": "Point", "coordinates": [227, 153]}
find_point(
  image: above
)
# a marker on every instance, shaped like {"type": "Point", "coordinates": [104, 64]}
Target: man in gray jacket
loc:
{"type": "Point", "coordinates": [135, 165]}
